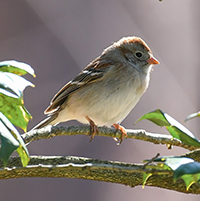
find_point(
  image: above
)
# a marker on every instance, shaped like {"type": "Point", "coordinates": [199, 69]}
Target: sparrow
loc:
{"type": "Point", "coordinates": [107, 89]}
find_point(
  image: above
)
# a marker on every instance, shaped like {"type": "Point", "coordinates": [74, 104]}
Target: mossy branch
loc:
{"type": "Point", "coordinates": [93, 169]}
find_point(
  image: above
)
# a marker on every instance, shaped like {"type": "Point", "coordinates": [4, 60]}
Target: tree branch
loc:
{"type": "Point", "coordinates": [93, 169]}
{"type": "Point", "coordinates": [52, 131]}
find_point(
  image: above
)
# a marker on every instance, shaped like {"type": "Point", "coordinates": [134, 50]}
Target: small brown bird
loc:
{"type": "Point", "coordinates": [106, 90]}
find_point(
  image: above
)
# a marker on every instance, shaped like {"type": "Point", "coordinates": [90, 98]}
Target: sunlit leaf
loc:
{"type": "Point", "coordinates": [183, 167]}
{"type": "Point", "coordinates": [156, 117]}
{"type": "Point", "coordinates": [174, 161]}
{"type": "Point", "coordinates": [7, 84]}
{"type": "Point", "coordinates": [13, 83]}
{"type": "Point", "coordinates": [191, 116]}
{"type": "Point", "coordinates": [174, 123]}
{"type": "Point", "coordinates": [16, 67]}
{"type": "Point", "coordinates": [15, 111]}
{"type": "Point", "coordinates": [11, 99]}
{"type": "Point", "coordinates": [12, 86]}
{"type": "Point", "coordinates": [184, 137]}
{"type": "Point", "coordinates": [8, 93]}
{"type": "Point", "coordinates": [176, 129]}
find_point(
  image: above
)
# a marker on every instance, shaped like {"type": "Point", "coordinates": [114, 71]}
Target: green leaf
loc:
{"type": "Point", "coordinates": [8, 85]}
{"type": "Point", "coordinates": [156, 117]}
{"type": "Point", "coordinates": [192, 167]}
{"type": "Point", "coordinates": [189, 172]}
{"type": "Point", "coordinates": [15, 111]}
{"type": "Point", "coordinates": [12, 106]}
{"type": "Point", "coordinates": [11, 99]}
{"type": "Point", "coordinates": [7, 93]}
{"type": "Point", "coordinates": [191, 116]}
{"type": "Point", "coordinates": [10, 141]}
{"type": "Point", "coordinates": [183, 167]}
{"type": "Point", "coordinates": [16, 67]}
{"type": "Point", "coordinates": [14, 83]}
{"type": "Point", "coordinates": [174, 161]}
{"type": "Point", "coordinates": [174, 123]}
{"type": "Point", "coordinates": [24, 155]}
{"type": "Point", "coordinates": [190, 179]}
{"type": "Point", "coordinates": [145, 178]}
{"type": "Point", "coordinates": [176, 129]}
{"type": "Point", "coordinates": [184, 137]}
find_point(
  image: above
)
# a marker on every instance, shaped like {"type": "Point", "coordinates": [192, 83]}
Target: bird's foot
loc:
{"type": "Point", "coordinates": [123, 131]}
{"type": "Point", "coordinates": [93, 127]}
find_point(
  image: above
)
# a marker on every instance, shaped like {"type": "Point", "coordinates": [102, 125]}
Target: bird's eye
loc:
{"type": "Point", "coordinates": [138, 54]}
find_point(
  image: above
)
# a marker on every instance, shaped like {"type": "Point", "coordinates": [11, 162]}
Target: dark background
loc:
{"type": "Point", "coordinates": [59, 38]}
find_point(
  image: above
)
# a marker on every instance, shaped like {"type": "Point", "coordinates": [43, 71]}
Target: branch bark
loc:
{"type": "Point", "coordinates": [52, 131]}
{"type": "Point", "coordinates": [94, 169]}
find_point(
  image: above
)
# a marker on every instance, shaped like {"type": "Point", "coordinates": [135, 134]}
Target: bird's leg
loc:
{"type": "Point", "coordinates": [93, 127]}
{"type": "Point", "coordinates": [123, 131]}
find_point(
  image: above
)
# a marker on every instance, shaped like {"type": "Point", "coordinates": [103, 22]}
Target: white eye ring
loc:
{"type": "Point", "coordinates": [138, 54]}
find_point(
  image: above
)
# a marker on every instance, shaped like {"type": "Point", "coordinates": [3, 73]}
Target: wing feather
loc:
{"type": "Point", "coordinates": [93, 72]}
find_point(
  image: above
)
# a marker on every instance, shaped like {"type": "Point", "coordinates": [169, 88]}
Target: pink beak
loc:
{"type": "Point", "coordinates": [152, 60]}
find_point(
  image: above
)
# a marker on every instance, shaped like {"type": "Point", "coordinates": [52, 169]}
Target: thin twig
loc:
{"type": "Point", "coordinates": [150, 161]}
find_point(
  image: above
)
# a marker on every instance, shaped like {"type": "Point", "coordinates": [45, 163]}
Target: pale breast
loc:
{"type": "Point", "coordinates": [108, 102]}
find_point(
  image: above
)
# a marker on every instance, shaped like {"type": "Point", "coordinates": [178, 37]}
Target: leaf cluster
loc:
{"type": "Point", "coordinates": [12, 109]}
{"type": "Point", "coordinates": [182, 167]}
